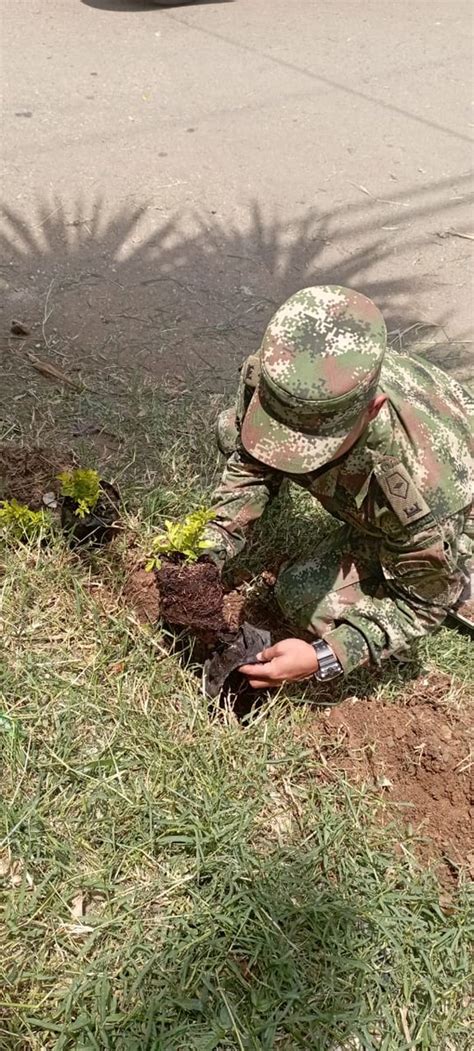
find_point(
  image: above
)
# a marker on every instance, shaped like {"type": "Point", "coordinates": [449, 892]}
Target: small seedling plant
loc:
{"type": "Point", "coordinates": [185, 538]}
{"type": "Point", "coordinates": [83, 487]}
{"type": "Point", "coordinates": [19, 522]}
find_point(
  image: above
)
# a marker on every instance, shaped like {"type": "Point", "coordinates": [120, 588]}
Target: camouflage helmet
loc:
{"type": "Point", "coordinates": [320, 363]}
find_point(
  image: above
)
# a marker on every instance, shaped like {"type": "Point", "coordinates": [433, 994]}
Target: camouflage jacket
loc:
{"type": "Point", "coordinates": [406, 486]}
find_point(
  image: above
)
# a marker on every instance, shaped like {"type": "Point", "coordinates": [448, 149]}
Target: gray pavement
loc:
{"type": "Point", "coordinates": [170, 175]}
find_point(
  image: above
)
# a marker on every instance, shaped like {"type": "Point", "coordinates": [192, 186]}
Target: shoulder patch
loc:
{"type": "Point", "coordinates": [401, 492]}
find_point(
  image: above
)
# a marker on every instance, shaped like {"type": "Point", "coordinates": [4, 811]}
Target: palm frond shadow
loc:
{"type": "Point", "coordinates": [118, 299]}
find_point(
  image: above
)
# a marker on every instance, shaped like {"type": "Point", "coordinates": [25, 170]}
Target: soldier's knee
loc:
{"type": "Point", "coordinates": [297, 585]}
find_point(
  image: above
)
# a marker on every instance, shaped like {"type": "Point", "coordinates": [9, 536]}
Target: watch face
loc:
{"type": "Point", "coordinates": [331, 671]}
{"type": "Point", "coordinates": [329, 667]}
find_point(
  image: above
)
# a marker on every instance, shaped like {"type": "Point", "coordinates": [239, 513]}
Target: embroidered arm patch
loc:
{"type": "Point", "coordinates": [401, 492]}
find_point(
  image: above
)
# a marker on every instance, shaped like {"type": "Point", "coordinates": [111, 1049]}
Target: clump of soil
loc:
{"type": "Point", "coordinates": [417, 754]}
{"type": "Point", "coordinates": [192, 595]}
{"type": "Point", "coordinates": [26, 474]}
{"type": "Point", "coordinates": [186, 595]}
{"type": "Point", "coordinates": [234, 610]}
{"type": "Point", "coordinates": [141, 593]}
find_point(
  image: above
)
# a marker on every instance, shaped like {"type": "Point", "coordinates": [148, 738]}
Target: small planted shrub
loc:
{"type": "Point", "coordinates": [81, 485]}
{"type": "Point", "coordinates": [184, 539]}
{"type": "Point", "coordinates": [190, 591]}
{"type": "Point", "coordinates": [90, 506]}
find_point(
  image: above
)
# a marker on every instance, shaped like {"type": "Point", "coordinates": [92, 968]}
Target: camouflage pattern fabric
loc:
{"type": "Point", "coordinates": [404, 490]}
{"type": "Point", "coordinates": [346, 595]}
{"type": "Point", "coordinates": [320, 362]}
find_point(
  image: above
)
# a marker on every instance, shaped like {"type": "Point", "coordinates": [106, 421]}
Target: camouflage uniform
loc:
{"type": "Point", "coordinates": [404, 490]}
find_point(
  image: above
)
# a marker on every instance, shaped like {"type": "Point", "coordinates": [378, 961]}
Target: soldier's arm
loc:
{"type": "Point", "coordinates": [423, 580]}
{"type": "Point", "coordinates": [240, 499]}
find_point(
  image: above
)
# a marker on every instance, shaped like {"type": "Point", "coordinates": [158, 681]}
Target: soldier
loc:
{"type": "Point", "coordinates": [384, 443]}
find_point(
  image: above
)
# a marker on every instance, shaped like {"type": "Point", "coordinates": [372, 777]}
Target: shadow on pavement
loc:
{"type": "Point", "coordinates": [117, 299]}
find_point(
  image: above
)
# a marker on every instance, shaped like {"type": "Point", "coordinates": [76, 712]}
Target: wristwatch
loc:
{"type": "Point", "coordinates": [328, 664]}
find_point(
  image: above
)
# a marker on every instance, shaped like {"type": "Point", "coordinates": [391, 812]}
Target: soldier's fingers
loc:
{"type": "Point", "coordinates": [266, 673]}
{"type": "Point", "coordinates": [249, 669]}
{"type": "Point", "coordinates": [270, 653]}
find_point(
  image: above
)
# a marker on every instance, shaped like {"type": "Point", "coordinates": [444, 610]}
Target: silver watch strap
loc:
{"type": "Point", "coordinates": [328, 664]}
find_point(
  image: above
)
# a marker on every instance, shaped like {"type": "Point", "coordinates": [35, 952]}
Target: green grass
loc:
{"type": "Point", "coordinates": [173, 880]}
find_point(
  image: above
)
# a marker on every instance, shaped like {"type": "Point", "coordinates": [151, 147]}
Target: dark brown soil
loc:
{"type": "Point", "coordinates": [262, 610]}
{"type": "Point", "coordinates": [192, 596]}
{"type": "Point", "coordinates": [417, 755]}
{"type": "Point", "coordinates": [26, 474]}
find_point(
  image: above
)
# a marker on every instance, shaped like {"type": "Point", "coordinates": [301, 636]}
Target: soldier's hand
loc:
{"type": "Point", "coordinates": [287, 661]}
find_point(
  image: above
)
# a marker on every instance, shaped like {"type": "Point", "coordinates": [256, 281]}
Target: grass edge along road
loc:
{"type": "Point", "coordinates": [173, 880]}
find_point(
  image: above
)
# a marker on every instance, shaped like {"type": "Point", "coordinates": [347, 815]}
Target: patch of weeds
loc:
{"type": "Point", "coordinates": [19, 522]}
{"type": "Point", "coordinates": [450, 652]}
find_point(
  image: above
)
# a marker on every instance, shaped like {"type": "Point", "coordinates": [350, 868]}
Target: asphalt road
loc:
{"type": "Point", "coordinates": [170, 175]}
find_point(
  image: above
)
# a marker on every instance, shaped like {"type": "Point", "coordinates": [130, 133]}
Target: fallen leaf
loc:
{"type": "Point", "coordinates": [49, 499]}
{"type": "Point", "coordinates": [117, 668]}
{"type": "Point", "coordinates": [4, 865]}
{"type": "Point", "coordinates": [384, 782]}
{"type": "Point", "coordinates": [78, 930]}
{"type": "Point", "coordinates": [51, 372]}
{"type": "Point", "coordinates": [18, 875]}
{"type": "Point", "coordinates": [77, 906]}
{"type": "Point", "coordinates": [17, 328]}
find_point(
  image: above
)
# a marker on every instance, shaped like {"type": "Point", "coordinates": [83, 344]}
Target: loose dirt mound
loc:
{"type": "Point", "coordinates": [141, 593]}
{"type": "Point", "coordinates": [27, 474]}
{"type": "Point", "coordinates": [418, 755]}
